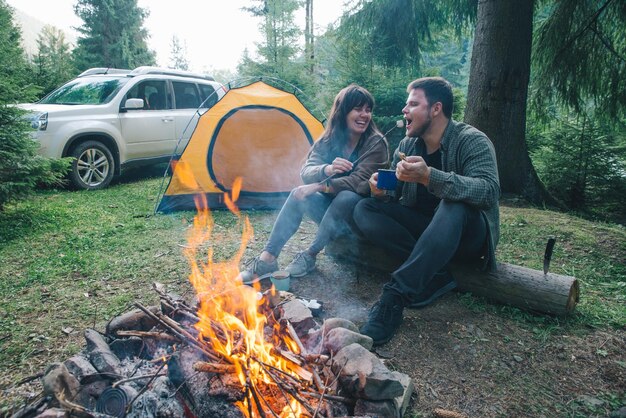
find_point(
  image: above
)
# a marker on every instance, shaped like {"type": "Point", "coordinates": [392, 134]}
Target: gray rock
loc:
{"type": "Point", "coordinates": [402, 401]}
{"type": "Point", "coordinates": [127, 348]}
{"type": "Point", "coordinates": [57, 380]}
{"type": "Point", "coordinates": [136, 320]}
{"type": "Point", "coordinates": [299, 315]}
{"type": "Point", "coordinates": [80, 367]}
{"type": "Point", "coordinates": [100, 353]}
{"type": "Point", "coordinates": [332, 323]}
{"type": "Point", "coordinates": [338, 338]}
{"type": "Point", "coordinates": [363, 375]}
{"type": "Point", "coordinates": [92, 384]}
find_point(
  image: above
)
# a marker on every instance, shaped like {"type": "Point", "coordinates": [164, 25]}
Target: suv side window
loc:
{"type": "Point", "coordinates": [186, 95]}
{"type": "Point", "coordinates": [207, 91]}
{"type": "Point", "coordinates": [153, 93]}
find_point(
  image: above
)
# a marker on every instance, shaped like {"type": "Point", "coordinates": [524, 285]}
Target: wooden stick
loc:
{"type": "Point", "coordinates": [275, 379]}
{"type": "Point", "coordinates": [74, 410]}
{"type": "Point", "coordinates": [294, 336]}
{"type": "Point", "coordinates": [143, 389]}
{"type": "Point", "coordinates": [148, 334]}
{"type": "Point", "coordinates": [318, 381]}
{"type": "Point", "coordinates": [444, 413]}
{"type": "Point", "coordinates": [316, 358]}
{"type": "Point", "coordinates": [178, 331]}
{"type": "Point", "coordinates": [336, 398]}
{"type": "Point", "coordinates": [201, 366]}
{"type": "Point", "coordinates": [287, 355]}
{"type": "Point", "coordinates": [250, 387]}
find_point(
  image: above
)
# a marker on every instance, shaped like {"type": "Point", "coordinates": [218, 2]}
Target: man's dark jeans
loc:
{"type": "Point", "coordinates": [333, 214]}
{"type": "Point", "coordinates": [457, 231]}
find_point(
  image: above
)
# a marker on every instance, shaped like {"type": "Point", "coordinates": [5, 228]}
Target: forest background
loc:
{"type": "Point", "coordinates": [545, 79]}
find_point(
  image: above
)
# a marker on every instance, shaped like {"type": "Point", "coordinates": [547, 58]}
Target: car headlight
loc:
{"type": "Point", "coordinates": [39, 121]}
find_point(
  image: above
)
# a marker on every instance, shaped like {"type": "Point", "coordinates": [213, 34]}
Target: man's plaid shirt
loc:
{"type": "Point", "coordinates": [469, 174]}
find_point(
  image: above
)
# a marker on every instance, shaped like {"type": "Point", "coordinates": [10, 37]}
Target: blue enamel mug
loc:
{"type": "Point", "coordinates": [387, 179]}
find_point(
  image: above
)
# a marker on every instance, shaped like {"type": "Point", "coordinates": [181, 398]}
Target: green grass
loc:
{"type": "Point", "coordinates": [75, 259]}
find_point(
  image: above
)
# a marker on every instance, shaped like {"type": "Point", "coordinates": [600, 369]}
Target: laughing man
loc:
{"type": "Point", "coordinates": [445, 206]}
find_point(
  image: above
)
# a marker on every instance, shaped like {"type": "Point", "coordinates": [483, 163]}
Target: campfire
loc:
{"type": "Point", "coordinates": [236, 351]}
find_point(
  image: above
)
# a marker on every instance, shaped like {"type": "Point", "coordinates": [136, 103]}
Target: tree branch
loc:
{"type": "Point", "coordinates": [584, 29]}
{"type": "Point", "coordinates": [606, 43]}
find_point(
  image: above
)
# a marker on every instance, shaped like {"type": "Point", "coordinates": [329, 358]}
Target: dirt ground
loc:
{"type": "Point", "coordinates": [478, 363]}
{"type": "Point", "coordinates": [466, 359]}
{"type": "Point", "coordinates": [465, 356]}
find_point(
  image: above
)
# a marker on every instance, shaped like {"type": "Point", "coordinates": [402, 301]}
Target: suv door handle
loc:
{"type": "Point", "coordinates": [166, 120]}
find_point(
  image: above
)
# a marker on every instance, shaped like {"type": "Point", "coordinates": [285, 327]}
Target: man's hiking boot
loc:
{"type": "Point", "coordinates": [439, 285]}
{"type": "Point", "coordinates": [257, 269]}
{"type": "Point", "coordinates": [384, 318]}
{"type": "Point", "coordinates": [302, 264]}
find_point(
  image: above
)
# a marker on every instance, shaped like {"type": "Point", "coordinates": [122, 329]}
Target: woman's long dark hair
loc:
{"type": "Point", "coordinates": [336, 132]}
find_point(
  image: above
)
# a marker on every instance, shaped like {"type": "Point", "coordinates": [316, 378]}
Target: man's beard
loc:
{"type": "Point", "coordinates": [422, 130]}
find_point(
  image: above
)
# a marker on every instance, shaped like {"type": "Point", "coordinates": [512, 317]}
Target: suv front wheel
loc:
{"type": "Point", "coordinates": [93, 166]}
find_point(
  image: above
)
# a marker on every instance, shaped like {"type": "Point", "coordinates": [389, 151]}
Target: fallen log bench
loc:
{"type": "Point", "coordinates": [512, 285]}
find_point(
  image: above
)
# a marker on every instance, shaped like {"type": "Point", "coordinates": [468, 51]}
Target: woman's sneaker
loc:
{"type": "Point", "coordinates": [302, 264]}
{"type": "Point", "coordinates": [257, 269]}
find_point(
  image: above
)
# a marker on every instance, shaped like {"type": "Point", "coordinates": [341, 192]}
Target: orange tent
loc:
{"type": "Point", "coordinates": [257, 132]}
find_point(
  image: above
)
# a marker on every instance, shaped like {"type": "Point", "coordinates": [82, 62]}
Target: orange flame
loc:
{"type": "Point", "coordinates": [229, 317]}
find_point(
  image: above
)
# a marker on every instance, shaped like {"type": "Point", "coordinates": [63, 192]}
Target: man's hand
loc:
{"type": "Point", "coordinates": [375, 191]}
{"type": "Point", "coordinates": [413, 170]}
{"type": "Point", "coordinates": [303, 191]}
{"type": "Point", "coordinates": [339, 165]}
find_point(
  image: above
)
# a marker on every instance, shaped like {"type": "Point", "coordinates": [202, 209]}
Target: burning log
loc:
{"type": "Point", "coordinates": [179, 332]}
{"type": "Point", "coordinates": [214, 367]}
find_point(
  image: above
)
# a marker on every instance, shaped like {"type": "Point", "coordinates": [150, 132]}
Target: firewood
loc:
{"type": "Point", "coordinates": [294, 336]}
{"type": "Point", "coordinates": [148, 334]}
{"type": "Point", "coordinates": [180, 332]}
{"type": "Point", "coordinates": [219, 368]}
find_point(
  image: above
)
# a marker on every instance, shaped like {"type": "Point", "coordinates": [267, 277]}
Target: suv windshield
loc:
{"type": "Point", "coordinates": [86, 91]}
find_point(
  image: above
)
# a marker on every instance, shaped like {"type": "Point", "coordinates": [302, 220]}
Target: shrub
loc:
{"type": "Point", "coordinates": [21, 169]}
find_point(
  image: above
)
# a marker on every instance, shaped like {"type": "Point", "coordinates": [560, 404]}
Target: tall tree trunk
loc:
{"type": "Point", "coordinates": [498, 88]}
{"type": "Point", "coordinates": [309, 35]}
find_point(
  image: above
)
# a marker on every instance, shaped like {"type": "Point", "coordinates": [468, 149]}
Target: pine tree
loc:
{"type": "Point", "coordinates": [178, 55]}
{"type": "Point", "coordinates": [53, 61]}
{"type": "Point", "coordinates": [112, 35]}
{"type": "Point", "coordinates": [21, 169]}
{"type": "Point", "coordinates": [279, 48]}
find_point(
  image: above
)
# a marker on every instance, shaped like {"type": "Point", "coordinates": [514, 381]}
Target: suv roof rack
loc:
{"type": "Point", "coordinates": [103, 70]}
{"type": "Point", "coordinates": [168, 71]}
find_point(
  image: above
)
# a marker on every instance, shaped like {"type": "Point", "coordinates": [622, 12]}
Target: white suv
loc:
{"type": "Point", "coordinates": [110, 119]}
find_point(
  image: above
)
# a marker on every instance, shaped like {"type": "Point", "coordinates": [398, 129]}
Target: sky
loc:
{"type": "Point", "coordinates": [215, 32]}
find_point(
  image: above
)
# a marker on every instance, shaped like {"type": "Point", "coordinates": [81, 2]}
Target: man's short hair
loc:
{"type": "Point", "coordinates": [436, 89]}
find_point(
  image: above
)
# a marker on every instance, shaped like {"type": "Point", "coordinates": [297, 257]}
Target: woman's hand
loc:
{"type": "Point", "coordinates": [339, 165]}
{"type": "Point", "coordinates": [301, 192]}
{"type": "Point", "coordinates": [375, 191]}
{"type": "Point", "coordinates": [413, 170]}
